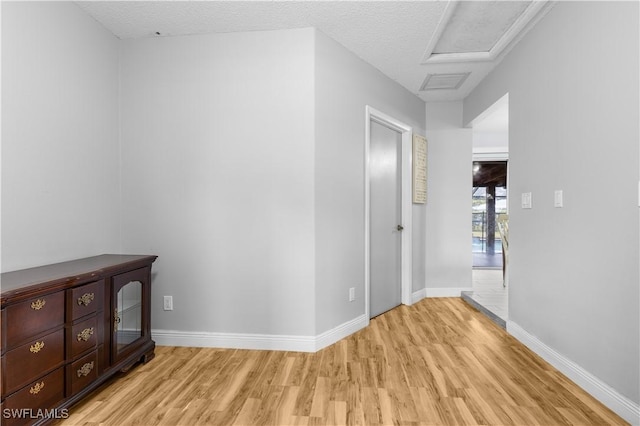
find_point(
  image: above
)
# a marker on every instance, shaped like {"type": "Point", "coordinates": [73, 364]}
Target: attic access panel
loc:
{"type": "Point", "coordinates": [478, 26]}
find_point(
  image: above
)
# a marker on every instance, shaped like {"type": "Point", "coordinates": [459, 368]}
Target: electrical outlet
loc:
{"type": "Point", "coordinates": [352, 294]}
{"type": "Point", "coordinates": [168, 303]}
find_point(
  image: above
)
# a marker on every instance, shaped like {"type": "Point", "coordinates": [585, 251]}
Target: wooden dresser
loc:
{"type": "Point", "coordinates": [66, 328]}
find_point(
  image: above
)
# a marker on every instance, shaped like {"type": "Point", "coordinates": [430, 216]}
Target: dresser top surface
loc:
{"type": "Point", "coordinates": [56, 275]}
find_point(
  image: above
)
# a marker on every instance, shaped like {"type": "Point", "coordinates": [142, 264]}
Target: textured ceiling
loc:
{"type": "Point", "coordinates": [477, 26]}
{"type": "Point", "coordinates": [397, 37]}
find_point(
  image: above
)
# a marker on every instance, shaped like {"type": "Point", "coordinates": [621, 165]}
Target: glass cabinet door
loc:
{"type": "Point", "coordinates": [130, 321]}
{"type": "Point", "coordinates": [127, 326]}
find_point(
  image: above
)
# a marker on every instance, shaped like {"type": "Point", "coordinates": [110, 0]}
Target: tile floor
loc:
{"type": "Point", "coordinates": [488, 295]}
{"type": "Point", "coordinates": [484, 260]}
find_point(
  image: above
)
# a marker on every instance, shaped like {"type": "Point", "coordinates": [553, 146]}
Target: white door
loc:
{"type": "Point", "coordinates": [385, 168]}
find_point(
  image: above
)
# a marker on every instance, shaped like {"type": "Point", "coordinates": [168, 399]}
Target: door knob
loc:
{"type": "Point", "coordinates": [400, 228]}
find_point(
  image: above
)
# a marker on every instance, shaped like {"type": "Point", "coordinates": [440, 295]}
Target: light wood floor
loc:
{"type": "Point", "coordinates": [436, 362]}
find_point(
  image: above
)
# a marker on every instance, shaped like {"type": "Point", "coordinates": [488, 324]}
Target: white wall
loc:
{"type": "Point", "coordinates": [213, 165]}
{"type": "Point", "coordinates": [573, 97]}
{"type": "Point", "coordinates": [345, 85]}
{"type": "Point", "coordinates": [248, 181]}
{"type": "Point", "coordinates": [491, 142]}
{"type": "Point", "coordinates": [218, 178]}
{"type": "Point", "coordinates": [491, 131]}
{"type": "Point", "coordinates": [60, 150]}
{"type": "Point", "coordinates": [449, 179]}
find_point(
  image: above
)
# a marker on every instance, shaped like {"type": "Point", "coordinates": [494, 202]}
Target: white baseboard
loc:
{"type": "Point", "coordinates": [437, 292]}
{"type": "Point", "coordinates": [330, 337]}
{"type": "Point", "coordinates": [201, 339]}
{"type": "Point", "coordinates": [619, 404]}
{"type": "Point", "coordinates": [446, 292]}
{"type": "Point", "coordinates": [418, 295]}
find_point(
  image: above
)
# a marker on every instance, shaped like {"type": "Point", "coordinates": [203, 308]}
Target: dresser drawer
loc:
{"type": "Point", "coordinates": [44, 393]}
{"type": "Point", "coordinates": [27, 362]}
{"type": "Point", "coordinates": [85, 299]}
{"type": "Point", "coordinates": [83, 372]}
{"type": "Point", "coordinates": [26, 319]}
{"type": "Point", "coordinates": [84, 336]}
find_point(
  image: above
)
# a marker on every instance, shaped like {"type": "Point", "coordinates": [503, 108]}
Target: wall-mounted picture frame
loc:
{"type": "Point", "coordinates": [419, 156]}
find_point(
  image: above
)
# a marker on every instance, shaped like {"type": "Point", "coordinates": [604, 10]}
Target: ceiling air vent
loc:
{"type": "Point", "coordinates": [443, 81]}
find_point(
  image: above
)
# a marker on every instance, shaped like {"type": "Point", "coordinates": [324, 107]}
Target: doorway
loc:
{"type": "Point", "coordinates": [490, 212]}
{"type": "Point", "coordinates": [489, 205]}
{"type": "Point", "coordinates": [385, 178]}
{"type": "Point", "coordinates": [388, 204]}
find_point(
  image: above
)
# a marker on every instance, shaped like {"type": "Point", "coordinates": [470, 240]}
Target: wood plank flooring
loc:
{"type": "Point", "coordinates": [438, 362]}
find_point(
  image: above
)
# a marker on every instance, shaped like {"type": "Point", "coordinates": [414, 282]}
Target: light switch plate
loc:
{"type": "Point", "coordinates": [526, 200]}
{"type": "Point", "coordinates": [558, 198]}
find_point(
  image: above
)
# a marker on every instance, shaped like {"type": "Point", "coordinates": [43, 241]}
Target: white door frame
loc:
{"type": "Point", "coordinates": [375, 116]}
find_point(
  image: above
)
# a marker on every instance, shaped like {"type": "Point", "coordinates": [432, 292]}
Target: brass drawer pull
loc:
{"type": "Point", "coordinates": [38, 304]}
{"type": "Point", "coordinates": [36, 347]}
{"type": "Point", "coordinates": [86, 298]}
{"type": "Point", "coordinates": [85, 369]}
{"type": "Point", "coordinates": [35, 389]}
{"type": "Point", "coordinates": [85, 334]}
